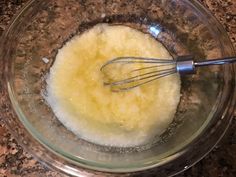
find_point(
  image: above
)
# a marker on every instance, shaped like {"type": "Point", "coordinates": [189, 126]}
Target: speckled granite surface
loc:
{"type": "Point", "coordinates": [221, 162]}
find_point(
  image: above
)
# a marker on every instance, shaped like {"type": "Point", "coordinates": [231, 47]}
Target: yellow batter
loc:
{"type": "Point", "coordinates": [76, 93]}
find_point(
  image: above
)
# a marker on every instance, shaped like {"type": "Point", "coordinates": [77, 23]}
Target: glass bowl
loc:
{"type": "Point", "coordinates": [28, 49]}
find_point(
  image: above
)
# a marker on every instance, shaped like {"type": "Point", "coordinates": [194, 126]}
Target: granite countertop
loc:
{"type": "Point", "coordinates": [221, 162]}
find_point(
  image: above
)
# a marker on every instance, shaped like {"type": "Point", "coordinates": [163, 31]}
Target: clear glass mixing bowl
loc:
{"type": "Point", "coordinates": [28, 49]}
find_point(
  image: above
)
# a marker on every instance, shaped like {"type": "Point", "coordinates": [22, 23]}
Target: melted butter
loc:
{"type": "Point", "coordinates": [76, 93]}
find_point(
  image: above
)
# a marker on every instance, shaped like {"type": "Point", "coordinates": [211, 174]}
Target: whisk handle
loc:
{"type": "Point", "coordinates": [220, 61]}
{"type": "Point", "coordinates": [186, 64]}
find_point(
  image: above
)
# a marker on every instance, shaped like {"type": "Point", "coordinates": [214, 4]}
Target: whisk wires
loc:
{"type": "Point", "coordinates": [126, 73]}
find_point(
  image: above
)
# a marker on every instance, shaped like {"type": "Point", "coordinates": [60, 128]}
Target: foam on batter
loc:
{"type": "Point", "coordinates": [77, 96]}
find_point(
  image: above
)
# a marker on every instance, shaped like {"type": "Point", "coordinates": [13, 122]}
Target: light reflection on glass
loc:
{"type": "Point", "coordinates": [155, 30]}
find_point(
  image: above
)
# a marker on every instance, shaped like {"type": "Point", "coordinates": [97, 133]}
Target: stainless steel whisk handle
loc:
{"type": "Point", "coordinates": [187, 65]}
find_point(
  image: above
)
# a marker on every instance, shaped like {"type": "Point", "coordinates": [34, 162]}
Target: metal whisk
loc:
{"type": "Point", "coordinates": [125, 73]}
